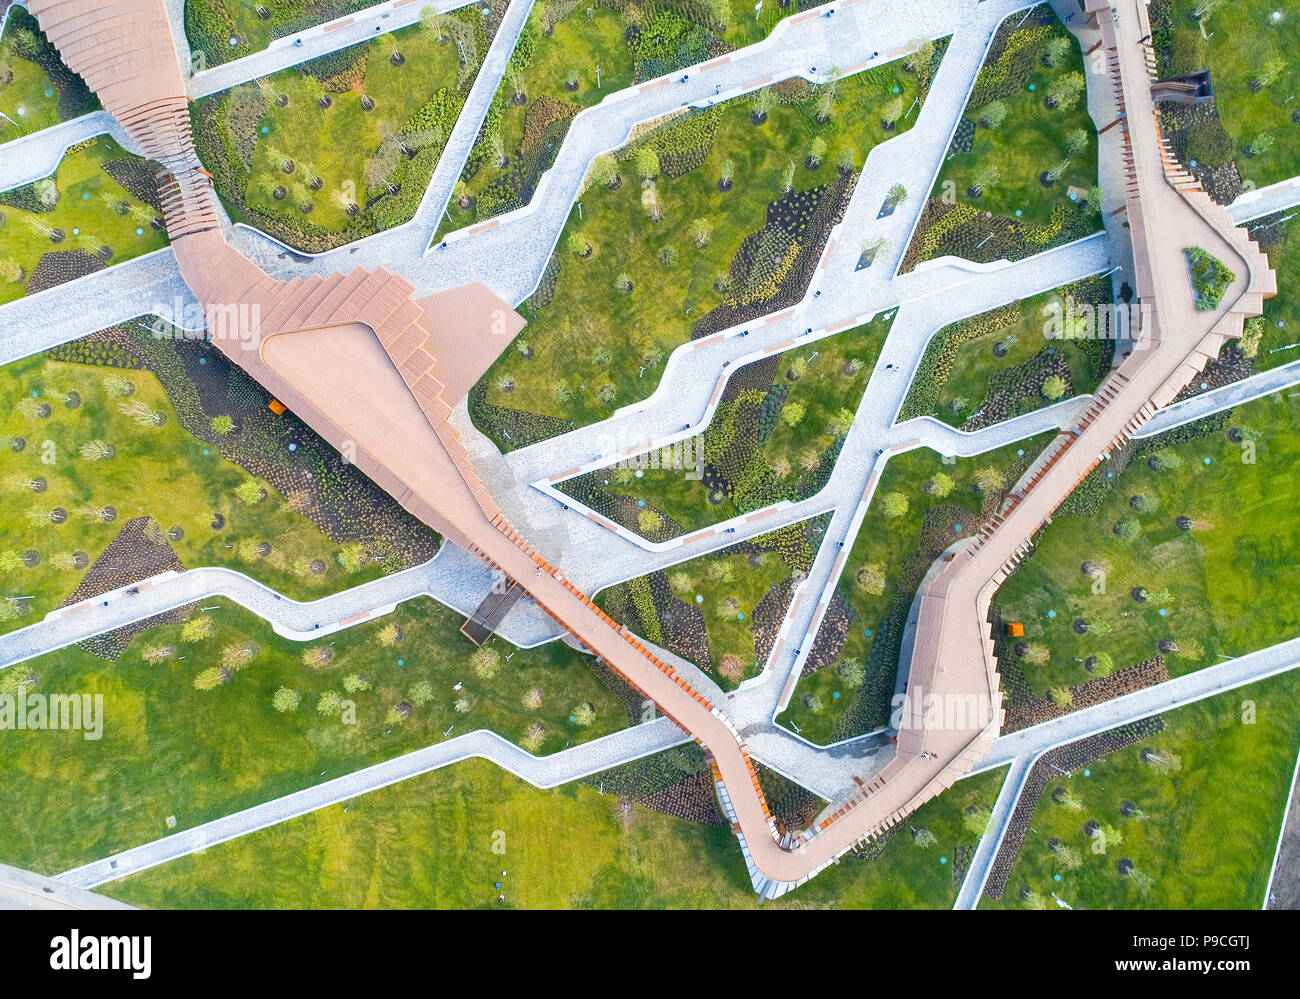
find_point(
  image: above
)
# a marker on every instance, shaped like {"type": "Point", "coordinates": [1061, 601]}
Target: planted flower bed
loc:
{"type": "Point", "coordinates": [1210, 278]}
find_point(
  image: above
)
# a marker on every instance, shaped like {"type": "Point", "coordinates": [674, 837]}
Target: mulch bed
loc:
{"type": "Point", "coordinates": [130, 557]}
{"type": "Point", "coordinates": [60, 266]}
{"type": "Point", "coordinates": [1095, 691]}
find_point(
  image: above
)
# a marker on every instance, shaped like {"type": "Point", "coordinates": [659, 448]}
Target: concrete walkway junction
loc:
{"type": "Point", "coordinates": [332, 341]}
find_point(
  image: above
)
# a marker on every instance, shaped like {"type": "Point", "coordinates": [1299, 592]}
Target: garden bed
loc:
{"type": "Point", "coordinates": [344, 145]}
{"type": "Point", "coordinates": [36, 90]}
{"type": "Point", "coordinates": [705, 219]}
{"type": "Point", "coordinates": [96, 210]}
{"type": "Point", "coordinates": [1026, 140]}
{"type": "Point", "coordinates": [721, 611]}
{"type": "Point", "coordinates": [921, 505]}
{"type": "Point", "coordinates": [775, 435]}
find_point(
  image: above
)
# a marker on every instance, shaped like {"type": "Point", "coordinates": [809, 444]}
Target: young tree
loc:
{"type": "Point", "coordinates": [988, 480]}
{"type": "Point", "coordinates": [420, 693]}
{"type": "Point", "coordinates": [647, 521]}
{"type": "Point", "coordinates": [871, 578]}
{"type": "Point", "coordinates": [939, 485]}
{"type": "Point", "coordinates": [852, 672]}
{"type": "Point", "coordinates": [787, 178]}
{"type": "Point", "coordinates": [1261, 144]}
{"type": "Point", "coordinates": [250, 492]}
{"type": "Point", "coordinates": [700, 232]}
{"type": "Point", "coordinates": [726, 171]}
{"type": "Point", "coordinates": [1053, 387]}
{"type": "Point", "coordinates": [792, 413]}
{"type": "Point", "coordinates": [992, 114]}
{"type": "Point", "coordinates": [985, 175]}
{"type": "Point", "coordinates": [816, 150]}
{"type": "Point", "coordinates": [578, 244]}
{"type": "Point", "coordinates": [354, 683]}
{"type": "Point", "coordinates": [1065, 92]}
{"type": "Point", "coordinates": [389, 635]}
{"type": "Point", "coordinates": [895, 505]}
{"type": "Point", "coordinates": [222, 424]}
{"type": "Point", "coordinates": [210, 678]}
{"type": "Point", "coordinates": [196, 629]}
{"type": "Point", "coordinates": [317, 656]}
{"type": "Point", "coordinates": [486, 662]}
{"type": "Point", "coordinates": [584, 715]}
{"type": "Point", "coordinates": [1037, 654]}
{"type": "Point", "coordinates": [923, 838]}
{"type": "Point", "coordinates": [97, 450]}
{"type": "Point", "coordinates": [285, 700]}
{"type": "Point", "coordinates": [532, 699]}
{"type": "Point", "coordinates": [1076, 141]}
{"type": "Point", "coordinates": [646, 161]}
{"type": "Point", "coordinates": [1062, 697]}
{"type": "Point", "coordinates": [1055, 51]}
{"type": "Point", "coordinates": [897, 195]}
{"type": "Point", "coordinates": [329, 704]}
{"type": "Point", "coordinates": [1058, 171]}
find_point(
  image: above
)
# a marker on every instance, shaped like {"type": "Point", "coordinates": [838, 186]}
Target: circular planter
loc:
{"type": "Point", "coordinates": [725, 185]}
{"type": "Point", "coordinates": [974, 192]}
{"type": "Point", "coordinates": [324, 100]}
{"type": "Point", "coordinates": [318, 567]}
{"type": "Point", "coordinates": [72, 400]}
{"type": "Point", "coordinates": [1090, 828]}
{"type": "Point", "coordinates": [57, 236]}
{"type": "Point", "coordinates": [31, 558]}
{"type": "Point", "coordinates": [1125, 867]}
{"type": "Point", "coordinates": [39, 484]}
{"type": "Point", "coordinates": [58, 515]}
{"type": "Point", "coordinates": [17, 444]}
{"type": "Point", "coordinates": [1153, 463]}
{"type": "Point", "coordinates": [80, 560]}
{"type": "Point", "coordinates": [175, 534]}
{"type": "Point", "coordinates": [1138, 594]}
{"type": "Point", "coordinates": [1166, 646]}
{"type": "Point", "coordinates": [1234, 435]}
{"type": "Point", "coordinates": [316, 183]}
{"type": "Point", "coordinates": [1080, 626]}
{"type": "Point", "coordinates": [366, 103]}
{"type": "Point", "coordinates": [279, 193]}
{"type": "Point", "coordinates": [570, 85]}
{"type": "Point", "coordinates": [616, 183]}
{"type": "Point", "coordinates": [758, 117]}
{"type": "Point", "coordinates": [397, 59]}
{"type": "Point", "coordinates": [108, 514]}
{"type": "Point", "coordinates": [1053, 843]}
{"type": "Point", "coordinates": [282, 101]}
{"type": "Point", "coordinates": [264, 549]}
{"type": "Point", "coordinates": [1045, 179]}
{"type": "Point", "coordinates": [1021, 648]}
{"type": "Point", "coordinates": [888, 126]}
{"type": "Point", "coordinates": [105, 253]}
{"type": "Point", "coordinates": [218, 521]}
{"type": "Point", "coordinates": [44, 411]}
{"type": "Point", "coordinates": [1127, 808]}
{"type": "Point", "coordinates": [519, 99]}
{"type": "Point", "coordinates": [1183, 523]}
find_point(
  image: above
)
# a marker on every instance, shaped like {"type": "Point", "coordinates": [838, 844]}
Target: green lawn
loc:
{"type": "Point", "coordinates": [602, 326]}
{"type": "Point", "coordinates": [552, 76]}
{"type": "Point", "coordinates": [995, 366]}
{"type": "Point", "coordinates": [775, 435]}
{"type": "Point", "coordinates": [1241, 43]}
{"type": "Point", "coordinates": [721, 610]}
{"type": "Point", "coordinates": [350, 171]}
{"type": "Point", "coordinates": [1224, 587]}
{"type": "Point", "coordinates": [560, 849]}
{"type": "Point", "coordinates": [145, 470]}
{"type": "Point", "coordinates": [36, 90]}
{"type": "Point", "coordinates": [53, 230]}
{"type": "Point", "coordinates": [992, 198]}
{"type": "Point", "coordinates": [169, 749]}
{"type": "Point", "coordinates": [885, 566]}
{"type": "Point", "coordinates": [210, 25]}
{"type": "Point", "coordinates": [1206, 831]}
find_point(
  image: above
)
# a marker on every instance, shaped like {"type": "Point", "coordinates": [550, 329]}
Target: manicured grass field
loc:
{"type": "Point", "coordinates": [1003, 204]}
{"type": "Point", "coordinates": [146, 470]}
{"type": "Point", "coordinates": [30, 98]}
{"type": "Point", "coordinates": [775, 435]}
{"type": "Point", "coordinates": [1242, 42]}
{"type": "Point", "coordinates": [993, 367]}
{"type": "Point", "coordinates": [429, 843]}
{"type": "Point", "coordinates": [1206, 831]}
{"type": "Point", "coordinates": [886, 564]}
{"type": "Point", "coordinates": [597, 345]}
{"type": "Point", "coordinates": [90, 209]}
{"type": "Point", "coordinates": [721, 591]}
{"type": "Point", "coordinates": [1222, 588]}
{"type": "Point", "coordinates": [169, 749]}
{"type": "Point", "coordinates": [556, 60]}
